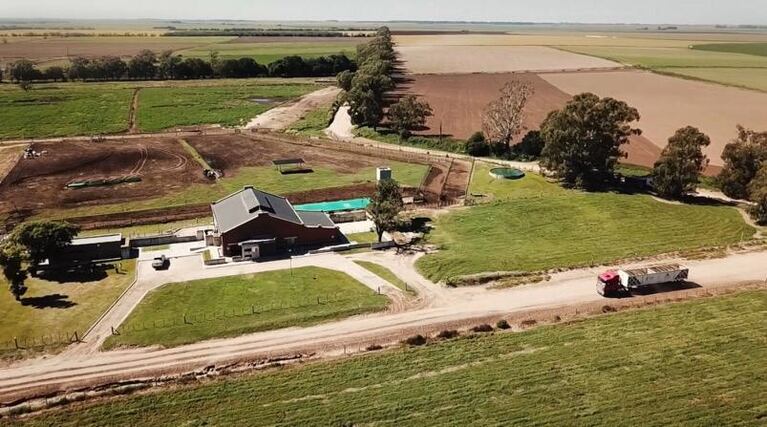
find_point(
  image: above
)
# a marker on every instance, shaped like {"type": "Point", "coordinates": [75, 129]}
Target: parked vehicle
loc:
{"type": "Point", "coordinates": [615, 282]}
{"type": "Point", "coordinates": [161, 263]}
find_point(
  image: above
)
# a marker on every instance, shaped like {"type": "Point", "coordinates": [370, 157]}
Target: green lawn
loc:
{"type": "Point", "coordinates": [231, 105]}
{"type": "Point", "coordinates": [749, 78]}
{"type": "Point", "coordinates": [264, 177]}
{"type": "Point", "coordinates": [266, 53]}
{"type": "Point", "coordinates": [369, 237]}
{"type": "Point", "coordinates": [758, 49]}
{"type": "Point", "coordinates": [534, 225]}
{"type": "Point", "coordinates": [63, 110]}
{"type": "Point", "coordinates": [53, 308]}
{"type": "Point", "coordinates": [314, 123]}
{"type": "Point", "coordinates": [429, 143]}
{"type": "Point", "coordinates": [386, 274]}
{"type": "Point", "coordinates": [695, 363]}
{"type": "Point", "coordinates": [280, 299]}
{"type": "Point", "coordinates": [706, 182]}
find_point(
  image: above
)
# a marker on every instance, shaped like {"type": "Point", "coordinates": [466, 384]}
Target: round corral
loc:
{"type": "Point", "coordinates": [507, 173]}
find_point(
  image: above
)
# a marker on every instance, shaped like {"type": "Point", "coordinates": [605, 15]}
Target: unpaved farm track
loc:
{"type": "Point", "coordinates": [279, 118]}
{"type": "Point", "coordinates": [572, 288]}
{"type": "Point", "coordinates": [133, 114]}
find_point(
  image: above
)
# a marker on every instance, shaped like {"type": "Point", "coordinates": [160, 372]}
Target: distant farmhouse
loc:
{"type": "Point", "coordinates": [253, 224]}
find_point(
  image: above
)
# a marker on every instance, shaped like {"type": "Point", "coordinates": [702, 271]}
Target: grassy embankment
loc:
{"type": "Point", "coordinates": [313, 123]}
{"type": "Point", "coordinates": [740, 64]}
{"type": "Point", "coordinates": [385, 274]}
{"type": "Point", "coordinates": [534, 225]}
{"type": "Point", "coordinates": [693, 363]}
{"type": "Point", "coordinates": [262, 301]}
{"type": "Point", "coordinates": [60, 307]}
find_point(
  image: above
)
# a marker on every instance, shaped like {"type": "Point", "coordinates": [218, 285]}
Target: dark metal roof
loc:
{"type": "Point", "coordinates": [282, 162]}
{"type": "Point", "coordinates": [247, 204]}
{"type": "Point", "coordinates": [316, 219]}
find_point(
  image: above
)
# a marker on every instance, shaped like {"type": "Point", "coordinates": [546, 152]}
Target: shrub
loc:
{"type": "Point", "coordinates": [502, 324]}
{"type": "Point", "coordinates": [447, 334]}
{"type": "Point", "coordinates": [482, 328]}
{"type": "Point", "coordinates": [477, 146]}
{"type": "Point", "coordinates": [416, 340]}
{"type": "Point", "coordinates": [531, 145]}
{"type": "Point", "coordinates": [528, 323]}
{"type": "Point", "coordinates": [608, 309]}
{"type": "Point", "coordinates": [373, 347]}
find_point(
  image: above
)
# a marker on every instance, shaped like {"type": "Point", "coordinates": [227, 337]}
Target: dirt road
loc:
{"type": "Point", "coordinates": [281, 117]}
{"type": "Point", "coordinates": [71, 370]}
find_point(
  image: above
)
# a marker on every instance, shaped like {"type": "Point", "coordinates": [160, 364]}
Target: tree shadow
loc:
{"type": "Point", "coordinates": [80, 275]}
{"type": "Point", "coordinates": [58, 301]}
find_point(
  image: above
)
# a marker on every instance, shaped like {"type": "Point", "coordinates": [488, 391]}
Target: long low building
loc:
{"type": "Point", "coordinates": [252, 223]}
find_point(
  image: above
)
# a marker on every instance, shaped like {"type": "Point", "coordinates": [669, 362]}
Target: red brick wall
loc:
{"type": "Point", "coordinates": [266, 226]}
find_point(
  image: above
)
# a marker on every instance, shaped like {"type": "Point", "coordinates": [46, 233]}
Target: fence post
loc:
{"type": "Point", "coordinates": [16, 342]}
{"type": "Point", "coordinates": [252, 309]}
{"type": "Point", "coordinates": [77, 337]}
{"type": "Point", "coordinates": [185, 319]}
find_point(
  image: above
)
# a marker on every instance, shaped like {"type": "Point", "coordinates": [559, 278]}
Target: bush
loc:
{"type": "Point", "coordinates": [531, 145]}
{"type": "Point", "coordinates": [416, 340]}
{"type": "Point", "coordinates": [528, 323]}
{"type": "Point", "coordinates": [447, 334]}
{"type": "Point", "coordinates": [502, 324]}
{"type": "Point", "coordinates": [482, 328]}
{"type": "Point", "coordinates": [477, 146]}
{"type": "Point", "coordinates": [608, 309]}
{"type": "Point", "coordinates": [374, 347]}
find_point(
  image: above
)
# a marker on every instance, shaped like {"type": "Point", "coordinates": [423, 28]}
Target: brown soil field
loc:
{"type": "Point", "coordinates": [40, 183]}
{"type": "Point", "coordinates": [231, 152]}
{"type": "Point", "coordinates": [667, 104]}
{"type": "Point", "coordinates": [41, 49]}
{"type": "Point", "coordinates": [289, 39]}
{"type": "Point", "coordinates": [9, 156]}
{"type": "Point", "coordinates": [440, 59]}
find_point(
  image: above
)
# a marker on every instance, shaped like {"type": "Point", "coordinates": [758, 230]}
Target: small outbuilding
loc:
{"type": "Point", "coordinates": [89, 250]}
{"type": "Point", "coordinates": [252, 224]}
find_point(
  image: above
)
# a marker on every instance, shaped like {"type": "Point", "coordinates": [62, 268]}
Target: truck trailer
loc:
{"type": "Point", "coordinates": [614, 282]}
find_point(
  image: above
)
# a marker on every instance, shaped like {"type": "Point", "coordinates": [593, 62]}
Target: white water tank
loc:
{"type": "Point", "coordinates": [383, 173]}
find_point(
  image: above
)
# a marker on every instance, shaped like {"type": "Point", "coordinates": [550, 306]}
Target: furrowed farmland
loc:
{"type": "Point", "coordinates": [694, 363]}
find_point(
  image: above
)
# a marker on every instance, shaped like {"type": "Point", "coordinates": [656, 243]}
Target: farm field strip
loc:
{"type": "Point", "coordinates": [540, 376]}
{"type": "Point", "coordinates": [266, 52]}
{"type": "Point", "coordinates": [667, 104]}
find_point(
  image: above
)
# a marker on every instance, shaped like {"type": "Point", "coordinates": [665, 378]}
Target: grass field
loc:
{"type": "Point", "coordinates": [452, 145]}
{"type": "Point", "coordinates": [266, 53]}
{"type": "Point", "coordinates": [280, 299]}
{"type": "Point", "coordinates": [230, 105]}
{"type": "Point", "coordinates": [758, 49]}
{"type": "Point", "coordinates": [693, 363]}
{"type": "Point", "coordinates": [749, 78]}
{"type": "Point", "coordinates": [63, 110]}
{"type": "Point", "coordinates": [385, 274]}
{"type": "Point", "coordinates": [369, 237]}
{"type": "Point", "coordinates": [313, 123]}
{"type": "Point", "coordinates": [265, 177]}
{"type": "Point", "coordinates": [53, 308]}
{"type": "Point", "coordinates": [534, 225]}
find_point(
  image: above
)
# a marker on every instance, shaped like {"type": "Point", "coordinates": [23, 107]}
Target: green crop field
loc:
{"type": "Point", "coordinates": [63, 110]}
{"type": "Point", "coordinates": [534, 225]}
{"type": "Point", "coordinates": [749, 78]}
{"type": "Point", "coordinates": [694, 363]}
{"type": "Point", "coordinates": [262, 301]}
{"type": "Point", "coordinates": [265, 177]}
{"type": "Point", "coordinates": [759, 49]}
{"type": "Point", "coordinates": [61, 306]}
{"type": "Point", "coordinates": [266, 53]}
{"type": "Point", "coordinates": [228, 105]}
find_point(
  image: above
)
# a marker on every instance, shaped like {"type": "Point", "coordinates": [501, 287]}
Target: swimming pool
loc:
{"type": "Point", "coordinates": [335, 206]}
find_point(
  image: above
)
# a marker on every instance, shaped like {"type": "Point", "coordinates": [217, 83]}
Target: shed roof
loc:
{"type": "Point", "coordinates": [316, 219]}
{"type": "Point", "coordinates": [247, 204]}
{"type": "Point", "coordinates": [95, 240]}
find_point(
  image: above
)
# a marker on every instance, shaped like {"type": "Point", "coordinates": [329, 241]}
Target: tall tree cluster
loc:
{"type": "Point", "coordinates": [146, 65]}
{"type": "Point", "coordinates": [365, 88]}
{"type": "Point", "coordinates": [678, 170]}
{"type": "Point", "coordinates": [744, 175]}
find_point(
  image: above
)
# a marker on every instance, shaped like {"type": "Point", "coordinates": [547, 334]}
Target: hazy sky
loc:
{"type": "Point", "coordinates": [591, 11]}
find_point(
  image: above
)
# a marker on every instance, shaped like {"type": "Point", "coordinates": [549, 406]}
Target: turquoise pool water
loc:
{"type": "Point", "coordinates": [335, 206]}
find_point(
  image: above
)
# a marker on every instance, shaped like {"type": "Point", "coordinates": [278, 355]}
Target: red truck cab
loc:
{"type": "Point", "coordinates": [609, 283]}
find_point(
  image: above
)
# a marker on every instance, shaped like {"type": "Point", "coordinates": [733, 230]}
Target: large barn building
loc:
{"type": "Point", "coordinates": [253, 224]}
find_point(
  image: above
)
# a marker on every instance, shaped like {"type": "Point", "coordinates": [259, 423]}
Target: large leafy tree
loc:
{"type": "Point", "coordinates": [408, 114]}
{"type": "Point", "coordinates": [743, 157]}
{"type": "Point", "coordinates": [11, 261]}
{"type": "Point", "coordinates": [385, 206]}
{"type": "Point", "coordinates": [678, 170]}
{"type": "Point", "coordinates": [502, 119]}
{"type": "Point", "coordinates": [42, 239]}
{"type": "Point", "coordinates": [143, 65]}
{"type": "Point", "coordinates": [583, 140]}
{"type": "Point", "coordinates": [758, 192]}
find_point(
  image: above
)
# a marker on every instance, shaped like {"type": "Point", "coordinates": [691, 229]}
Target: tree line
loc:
{"type": "Point", "coordinates": [146, 65]}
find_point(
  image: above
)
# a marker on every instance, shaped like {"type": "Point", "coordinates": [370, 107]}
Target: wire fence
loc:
{"type": "Point", "coordinates": [53, 339]}
{"type": "Point", "coordinates": [194, 318]}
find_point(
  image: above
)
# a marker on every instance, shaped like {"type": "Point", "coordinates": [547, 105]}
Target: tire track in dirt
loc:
{"type": "Point", "coordinates": [133, 114]}
{"type": "Point", "coordinates": [143, 157]}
